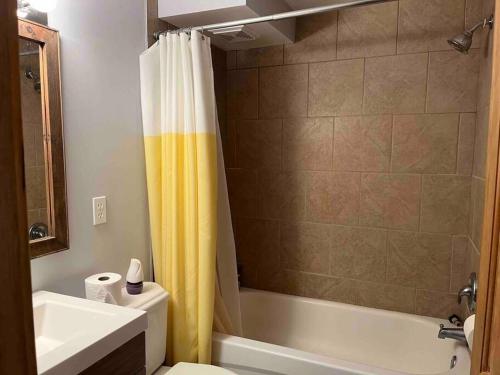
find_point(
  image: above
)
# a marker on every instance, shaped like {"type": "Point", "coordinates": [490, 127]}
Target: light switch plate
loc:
{"type": "Point", "coordinates": [99, 210]}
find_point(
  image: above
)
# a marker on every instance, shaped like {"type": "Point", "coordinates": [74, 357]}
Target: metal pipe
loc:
{"type": "Point", "coordinates": [279, 16]}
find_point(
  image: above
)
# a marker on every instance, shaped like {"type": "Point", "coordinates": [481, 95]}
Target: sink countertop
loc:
{"type": "Point", "coordinates": [72, 333]}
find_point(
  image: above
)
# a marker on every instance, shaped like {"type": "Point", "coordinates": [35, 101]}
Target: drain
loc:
{"type": "Point", "coordinates": [453, 362]}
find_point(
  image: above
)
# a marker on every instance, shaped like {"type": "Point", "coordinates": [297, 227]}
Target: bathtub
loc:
{"type": "Point", "coordinates": [303, 336]}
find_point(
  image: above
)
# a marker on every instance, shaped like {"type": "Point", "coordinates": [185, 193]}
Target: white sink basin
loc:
{"type": "Point", "coordinates": [73, 333]}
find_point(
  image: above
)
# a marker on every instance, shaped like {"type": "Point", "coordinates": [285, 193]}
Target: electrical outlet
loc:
{"type": "Point", "coordinates": [99, 210]}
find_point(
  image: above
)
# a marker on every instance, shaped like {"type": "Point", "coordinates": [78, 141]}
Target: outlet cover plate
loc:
{"type": "Point", "coordinates": [99, 210]}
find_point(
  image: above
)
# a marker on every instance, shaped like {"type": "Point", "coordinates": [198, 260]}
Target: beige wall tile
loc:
{"type": "Point", "coordinates": [242, 190]}
{"type": "Point", "coordinates": [229, 138]}
{"type": "Point", "coordinates": [35, 187]}
{"type": "Point", "coordinates": [472, 260]}
{"type": "Point", "coordinates": [486, 42]}
{"type": "Point", "coordinates": [458, 263]}
{"type": "Point", "coordinates": [333, 197]}
{"type": "Point", "coordinates": [445, 204]}
{"type": "Point", "coordinates": [315, 39]}
{"type": "Point", "coordinates": [283, 91]}
{"type": "Point", "coordinates": [231, 59]}
{"type": "Point", "coordinates": [29, 143]}
{"type": "Point", "coordinates": [419, 260]}
{"type": "Point", "coordinates": [473, 14]}
{"type": "Point", "coordinates": [362, 143]}
{"type": "Point", "coordinates": [452, 85]}
{"type": "Point", "coordinates": [329, 288]}
{"type": "Point", "coordinates": [282, 194]}
{"type": "Point", "coordinates": [36, 216]}
{"type": "Point", "coordinates": [390, 201]}
{"type": "Point", "coordinates": [359, 253]}
{"type": "Point", "coordinates": [259, 144]}
{"type": "Point", "coordinates": [336, 88]}
{"type": "Point", "coordinates": [278, 281]}
{"type": "Point", "coordinates": [243, 94]}
{"type": "Point", "coordinates": [395, 84]}
{"type": "Point", "coordinates": [439, 305]}
{"type": "Point", "coordinates": [425, 25]}
{"type": "Point", "coordinates": [308, 143]}
{"type": "Point", "coordinates": [465, 152]}
{"type": "Point", "coordinates": [481, 143]}
{"type": "Point", "coordinates": [257, 247]}
{"type": "Point", "coordinates": [254, 57]}
{"type": "Point", "coordinates": [319, 286]}
{"type": "Point", "coordinates": [385, 296]}
{"type": "Point", "coordinates": [425, 143]}
{"type": "Point", "coordinates": [477, 210]}
{"type": "Point", "coordinates": [305, 247]}
{"type": "Point", "coordinates": [368, 31]}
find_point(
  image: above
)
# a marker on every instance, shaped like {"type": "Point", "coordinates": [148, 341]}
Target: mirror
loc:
{"type": "Point", "coordinates": [42, 138]}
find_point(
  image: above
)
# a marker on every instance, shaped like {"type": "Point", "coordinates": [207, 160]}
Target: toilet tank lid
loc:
{"type": "Point", "coordinates": [151, 293]}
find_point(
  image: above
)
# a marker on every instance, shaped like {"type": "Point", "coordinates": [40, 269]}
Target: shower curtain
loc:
{"type": "Point", "coordinates": [191, 234]}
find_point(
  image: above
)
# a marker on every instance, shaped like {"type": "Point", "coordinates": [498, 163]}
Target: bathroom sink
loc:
{"type": "Point", "coordinates": [73, 333]}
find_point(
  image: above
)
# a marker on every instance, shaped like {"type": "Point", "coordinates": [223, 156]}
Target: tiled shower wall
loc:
{"type": "Point", "coordinates": [34, 158]}
{"type": "Point", "coordinates": [467, 256]}
{"type": "Point", "coordinates": [350, 156]}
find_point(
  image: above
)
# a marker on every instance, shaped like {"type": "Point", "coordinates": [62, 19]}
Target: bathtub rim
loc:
{"type": "Point", "coordinates": [462, 367]}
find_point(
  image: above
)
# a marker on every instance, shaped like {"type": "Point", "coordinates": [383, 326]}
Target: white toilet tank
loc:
{"type": "Point", "coordinates": [153, 300]}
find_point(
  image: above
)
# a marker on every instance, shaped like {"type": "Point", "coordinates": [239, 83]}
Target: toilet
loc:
{"type": "Point", "coordinates": [153, 300]}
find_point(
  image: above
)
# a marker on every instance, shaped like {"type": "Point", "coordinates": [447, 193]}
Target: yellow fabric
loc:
{"type": "Point", "coordinates": [182, 188]}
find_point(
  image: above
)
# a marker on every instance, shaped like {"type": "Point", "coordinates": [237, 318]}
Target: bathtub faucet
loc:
{"type": "Point", "coordinates": [451, 333]}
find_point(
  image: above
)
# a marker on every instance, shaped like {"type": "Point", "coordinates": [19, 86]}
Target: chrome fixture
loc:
{"type": "Point", "coordinates": [453, 361]}
{"type": "Point", "coordinates": [37, 231]}
{"type": "Point", "coordinates": [29, 74]}
{"type": "Point", "coordinates": [462, 42]}
{"type": "Point", "coordinates": [469, 291]}
{"type": "Point", "coordinates": [451, 333]}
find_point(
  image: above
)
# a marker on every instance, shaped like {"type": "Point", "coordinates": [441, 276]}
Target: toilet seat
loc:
{"type": "Point", "coordinates": [183, 368]}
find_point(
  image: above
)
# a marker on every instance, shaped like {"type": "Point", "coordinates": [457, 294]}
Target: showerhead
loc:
{"type": "Point", "coordinates": [462, 42]}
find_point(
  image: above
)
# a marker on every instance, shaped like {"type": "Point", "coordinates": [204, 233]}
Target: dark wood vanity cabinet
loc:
{"type": "Point", "coordinates": [128, 359]}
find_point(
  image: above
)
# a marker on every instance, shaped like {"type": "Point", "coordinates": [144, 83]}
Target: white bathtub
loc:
{"type": "Point", "coordinates": [303, 336]}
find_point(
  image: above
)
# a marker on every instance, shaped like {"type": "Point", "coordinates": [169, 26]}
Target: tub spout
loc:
{"type": "Point", "coordinates": [451, 333]}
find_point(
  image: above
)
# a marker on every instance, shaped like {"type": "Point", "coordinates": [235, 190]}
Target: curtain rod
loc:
{"type": "Point", "coordinates": [276, 17]}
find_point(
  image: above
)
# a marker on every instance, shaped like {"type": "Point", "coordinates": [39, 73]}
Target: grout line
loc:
{"type": "Point", "coordinates": [421, 203]}
{"type": "Point", "coordinates": [457, 154]}
{"type": "Point", "coordinates": [392, 145]}
{"type": "Point", "coordinates": [337, 36]}
{"type": "Point", "coordinates": [427, 82]}
{"type": "Point", "coordinates": [340, 171]}
{"type": "Point", "coordinates": [358, 115]}
{"type": "Point", "coordinates": [451, 262]}
{"type": "Point", "coordinates": [364, 87]}
{"type": "Point", "coordinates": [397, 27]}
{"type": "Point", "coordinates": [308, 87]}
{"type": "Point", "coordinates": [333, 142]}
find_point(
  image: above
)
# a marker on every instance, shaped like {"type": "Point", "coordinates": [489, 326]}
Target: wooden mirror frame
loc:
{"type": "Point", "coordinates": [48, 39]}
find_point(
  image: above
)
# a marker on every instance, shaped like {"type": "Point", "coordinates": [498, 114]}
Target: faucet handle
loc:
{"type": "Point", "coordinates": [470, 292]}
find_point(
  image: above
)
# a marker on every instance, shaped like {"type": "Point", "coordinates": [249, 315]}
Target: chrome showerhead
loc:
{"type": "Point", "coordinates": [462, 42]}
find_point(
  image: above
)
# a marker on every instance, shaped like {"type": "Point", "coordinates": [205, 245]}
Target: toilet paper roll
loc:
{"type": "Point", "coordinates": [469, 329]}
{"type": "Point", "coordinates": [104, 287]}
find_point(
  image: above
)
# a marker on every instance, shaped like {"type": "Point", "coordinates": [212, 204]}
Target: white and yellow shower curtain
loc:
{"type": "Point", "coordinates": [191, 233]}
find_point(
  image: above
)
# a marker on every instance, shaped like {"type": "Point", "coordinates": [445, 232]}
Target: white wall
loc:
{"type": "Point", "coordinates": [100, 46]}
